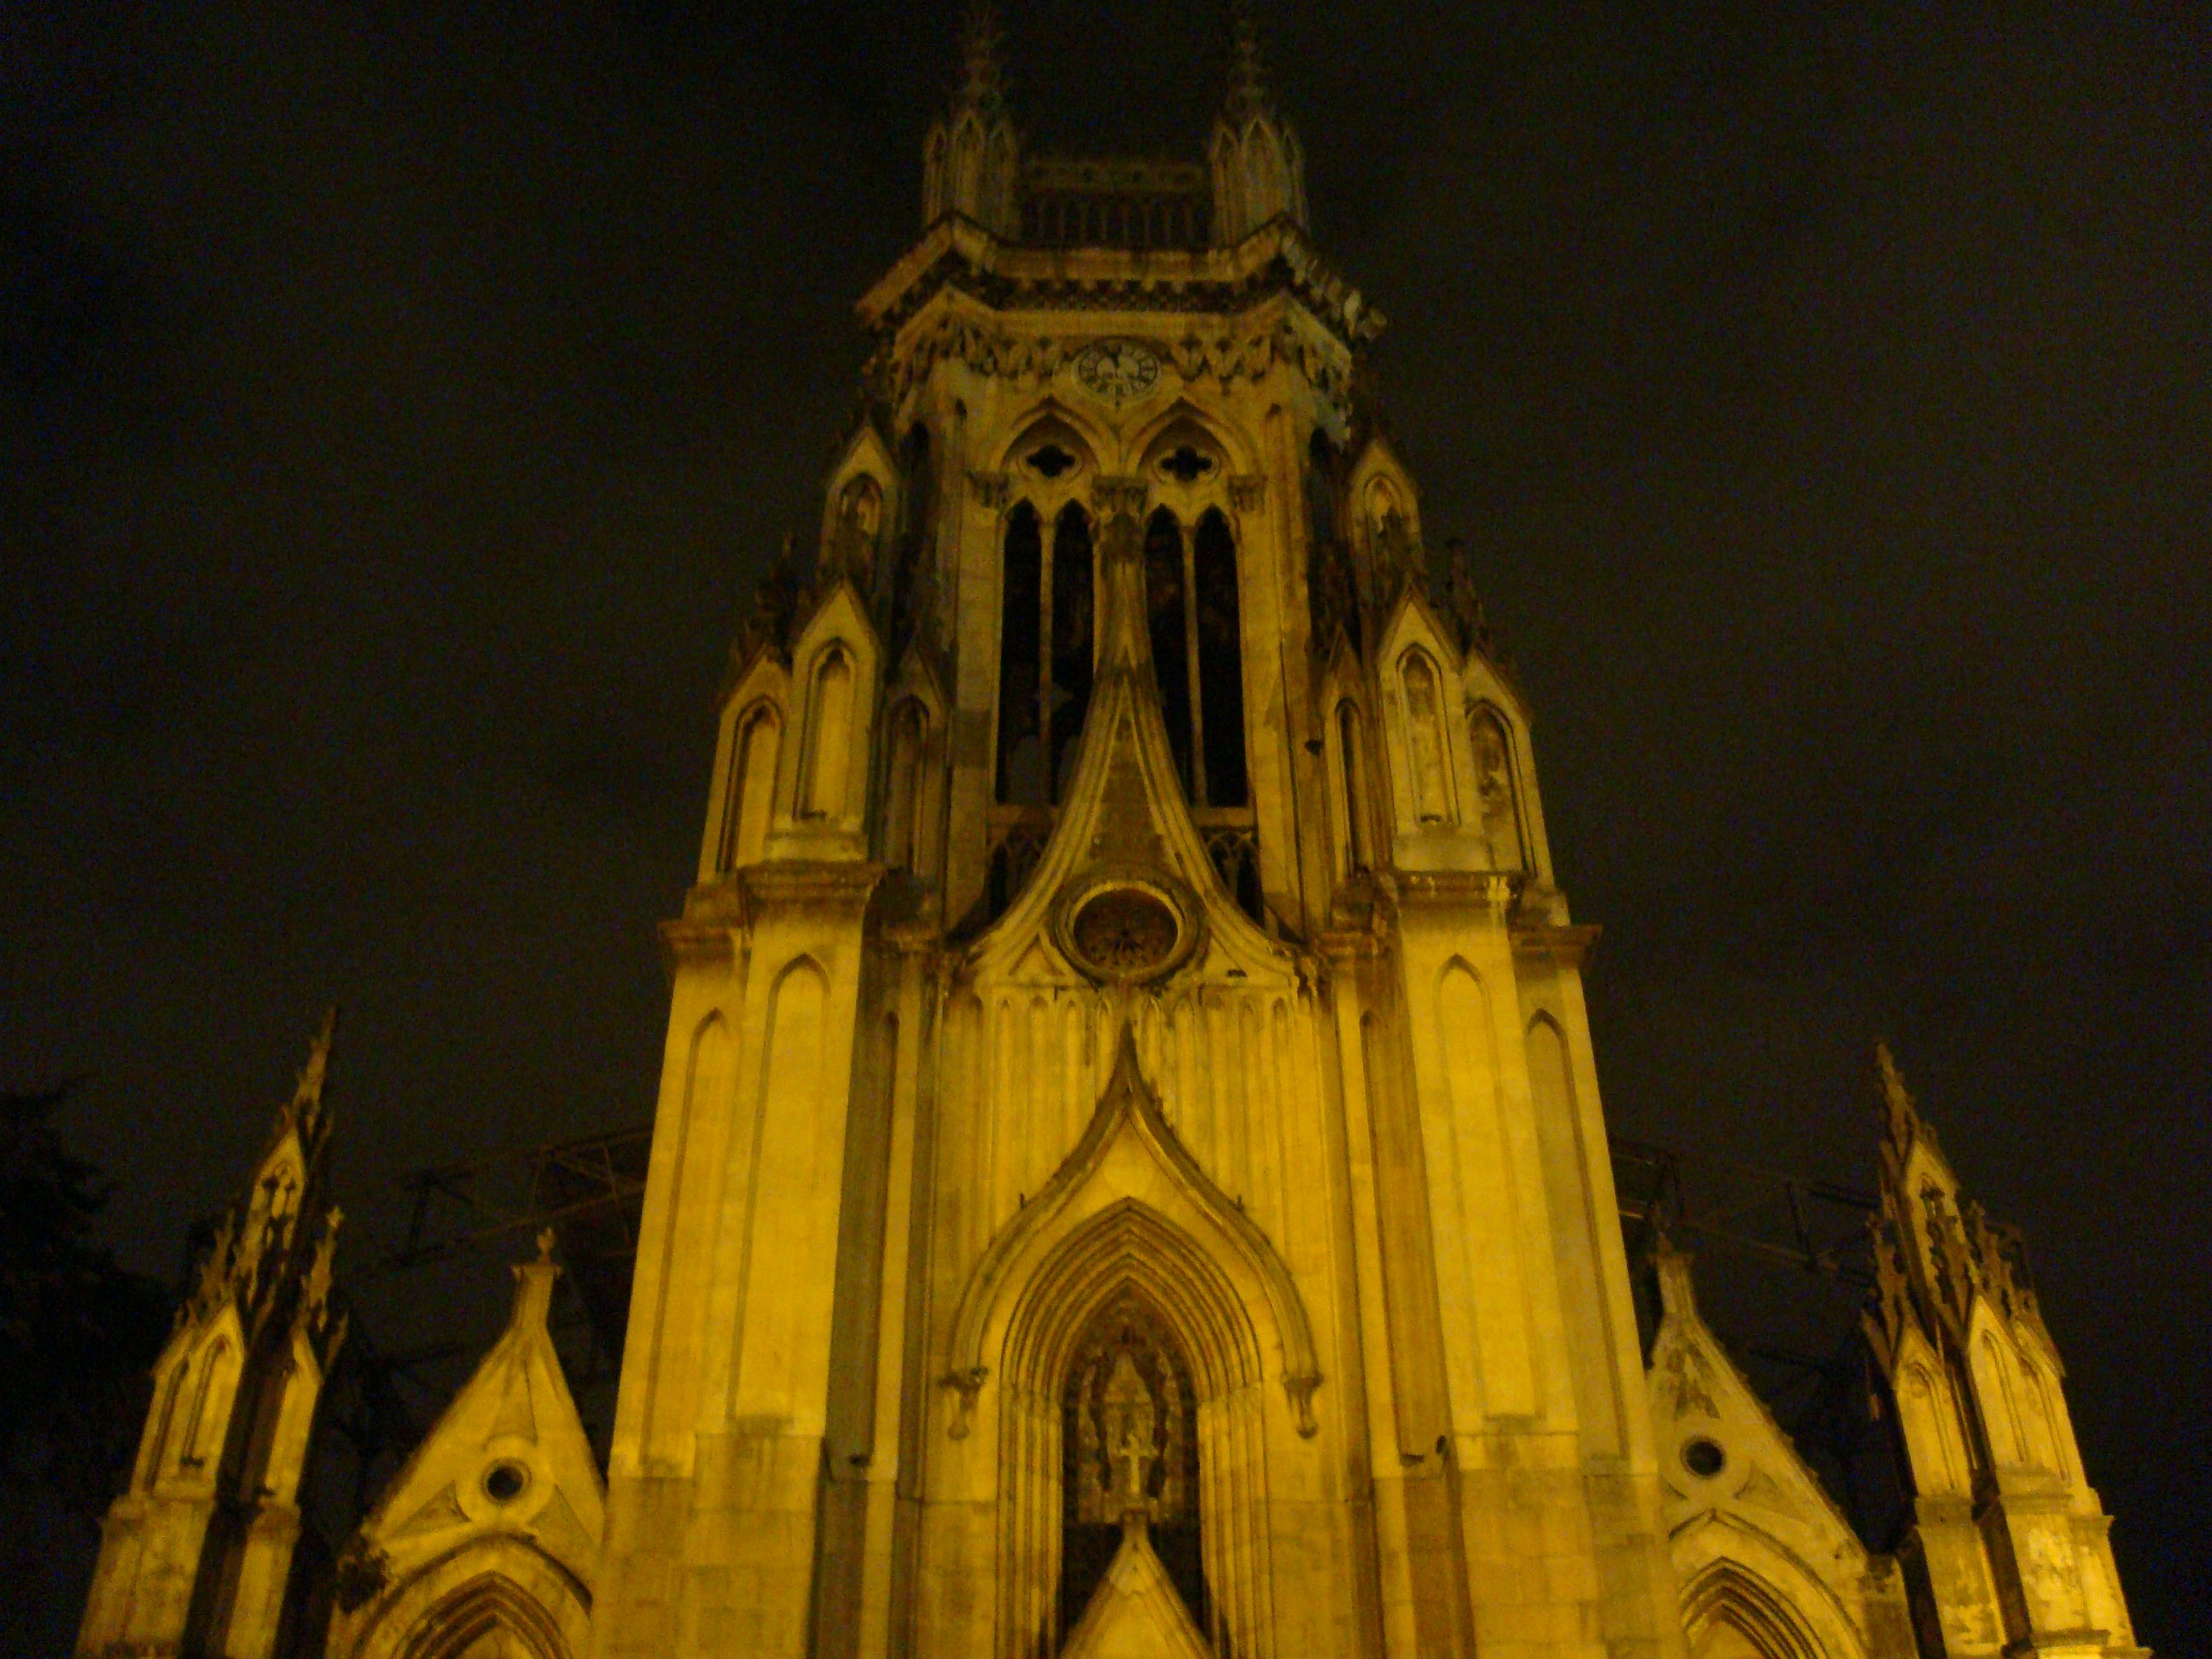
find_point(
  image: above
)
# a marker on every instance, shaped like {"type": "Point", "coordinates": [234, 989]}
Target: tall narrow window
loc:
{"type": "Point", "coordinates": [1190, 583]}
{"type": "Point", "coordinates": [1352, 789]}
{"type": "Point", "coordinates": [903, 787]}
{"type": "Point", "coordinates": [1425, 738]}
{"type": "Point", "coordinates": [1073, 599]}
{"type": "Point", "coordinates": [1220, 662]}
{"type": "Point", "coordinates": [1166, 596]}
{"type": "Point", "coordinates": [752, 786]}
{"type": "Point", "coordinates": [918, 498]}
{"type": "Point", "coordinates": [830, 736]}
{"type": "Point", "coordinates": [1021, 759]}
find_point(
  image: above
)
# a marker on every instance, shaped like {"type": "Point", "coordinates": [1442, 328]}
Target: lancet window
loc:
{"type": "Point", "coordinates": [904, 809]}
{"type": "Point", "coordinates": [1128, 1440]}
{"type": "Point", "coordinates": [1348, 789]}
{"type": "Point", "coordinates": [1196, 631]}
{"type": "Point", "coordinates": [1045, 653]}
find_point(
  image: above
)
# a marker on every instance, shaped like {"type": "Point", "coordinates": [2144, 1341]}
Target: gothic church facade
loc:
{"type": "Point", "coordinates": [1128, 1174]}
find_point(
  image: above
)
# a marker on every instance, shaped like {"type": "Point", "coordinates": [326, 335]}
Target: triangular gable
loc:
{"type": "Point", "coordinates": [1130, 1148]}
{"type": "Point", "coordinates": [1136, 1613]}
{"type": "Point", "coordinates": [1720, 1449]}
{"type": "Point", "coordinates": [509, 1454]}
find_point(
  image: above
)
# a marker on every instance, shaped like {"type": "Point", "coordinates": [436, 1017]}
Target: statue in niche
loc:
{"type": "Point", "coordinates": [851, 550]}
{"type": "Point", "coordinates": [1392, 556]}
{"type": "Point", "coordinates": [1129, 1429]}
{"type": "Point", "coordinates": [1493, 786]}
{"type": "Point", "coordinates": [1127, 1412]}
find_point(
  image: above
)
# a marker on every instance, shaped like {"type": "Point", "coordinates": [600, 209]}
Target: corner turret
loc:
{"type": "Point", "coordinates": [196, 1556]}
{"type": "Point", "coordinates": [2007, 1547]}
{"type": "Point", "coordinates": [971, 161]}
{"type": "Point", "coordinates": [1259, 170]}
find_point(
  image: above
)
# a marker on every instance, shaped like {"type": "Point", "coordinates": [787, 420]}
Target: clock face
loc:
{"type": "Point", "coordinates": [1117, 370]}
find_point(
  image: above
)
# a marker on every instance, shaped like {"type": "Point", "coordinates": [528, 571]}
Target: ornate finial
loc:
{"type": "Point", "coordinates": [545, 1242]}
{"type": "Point", "coordinates": [983, 60]}
{"type": "Point", "coordinates": [315, 1288]}
{"type": "Point", "coordinates": [309, 1091]}
{"type": "Point", "coordinates": [1899, 1111]}
{"type": "Point", "coordinates": [1247, 82]}
{"type": "Point", "coordinates": [215, 1268]}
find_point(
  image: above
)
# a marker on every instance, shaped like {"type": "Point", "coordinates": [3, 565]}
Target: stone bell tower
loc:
{"type": "Point", "coordinates": [1129, 1173]}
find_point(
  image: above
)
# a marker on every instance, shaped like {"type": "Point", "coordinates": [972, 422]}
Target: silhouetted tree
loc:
{"type": "Point", "coordinates": [78, 1331]}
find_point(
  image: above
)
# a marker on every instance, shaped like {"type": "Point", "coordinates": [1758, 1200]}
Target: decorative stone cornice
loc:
{"type": "Point", "coordinates": [810, 881]}
{"type": "Point", "coordinates": [1569, 947]}
{"type": "Point", "coordinates": [1276, 258]}
{"type": "Point", "coordinates": [688, 944]}
{"type": "Point", "coordinates": [1246, 348]}
{"type": "Point", "coordinates": [1493, 890]}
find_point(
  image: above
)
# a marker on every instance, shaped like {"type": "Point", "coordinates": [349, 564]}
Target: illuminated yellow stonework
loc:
{"type": "Point", "coordinates": [1128, 1174]}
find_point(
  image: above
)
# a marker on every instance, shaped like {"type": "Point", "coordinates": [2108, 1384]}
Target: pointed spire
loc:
{"type": "Point", "coordinates": [971, 160]}
{"type": "Point", "coordinates": [307, 1091]}
{"type": "Point", "coordinates": [1126, 639]}
{"type": "Point", "coordinates": [982, 59]}
{"type": "Point", "coordinates": [1259, 170]}
{"type": "Point", "coordinates": [533, 1287]}
{"type": "Point", "coordinates": [1248, 80]}
{"type": "Point", "coordinates": [1900, 1115]}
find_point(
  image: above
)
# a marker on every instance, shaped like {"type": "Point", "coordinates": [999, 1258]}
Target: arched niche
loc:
{"type": "Point", "coordinates": [862, 499]}
{"type": "Point", "coordinates": [824, 775]}
{"type": "Point", "coordinates": [749, 793]}
{"type": "Point", "coordinates": [681, 1182]}
{"type": "Point", "coordinates": [208, 1395]}
{"type": "Point", "coordinates": [745, 800]}
{"type": "Point", "coordinates": [1497, 782]}
{"type": "Point", "coordinates": [497, 1596]}
{"type": "Point", "coordinates": [1428, 792]}
{"type": "Point", "coordinates": [1731, 1611]}
{"type": "Point", "coordinates": [1928, 1415]}
{"type": "Point", "coordinates": [1385, 528]}
{"type": "Point", "coordinates": [1130, 1439]}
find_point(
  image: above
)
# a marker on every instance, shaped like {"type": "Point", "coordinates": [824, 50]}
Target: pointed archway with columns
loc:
{"type": "Point", "coordinates": [1131, 1214]}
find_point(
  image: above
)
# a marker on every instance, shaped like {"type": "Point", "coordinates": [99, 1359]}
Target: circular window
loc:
{"type": "Point", "coordinates": [1704, 1458]}
{"type": "Point", "coordinates": [1124, 930]}
{"type": "Point", "coordinates": [504, 1482]}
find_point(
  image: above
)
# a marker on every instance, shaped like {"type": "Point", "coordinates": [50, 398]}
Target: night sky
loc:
{"type": "Point", "coordinates": [397, 401]}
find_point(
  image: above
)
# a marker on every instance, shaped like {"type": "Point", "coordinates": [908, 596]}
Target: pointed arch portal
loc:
{"type": "Point", "coordinates": [1111, 1320]}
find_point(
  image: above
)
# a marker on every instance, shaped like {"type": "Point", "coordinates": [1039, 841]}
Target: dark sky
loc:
{"type": "Point", "coordinates": [399, 399]}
